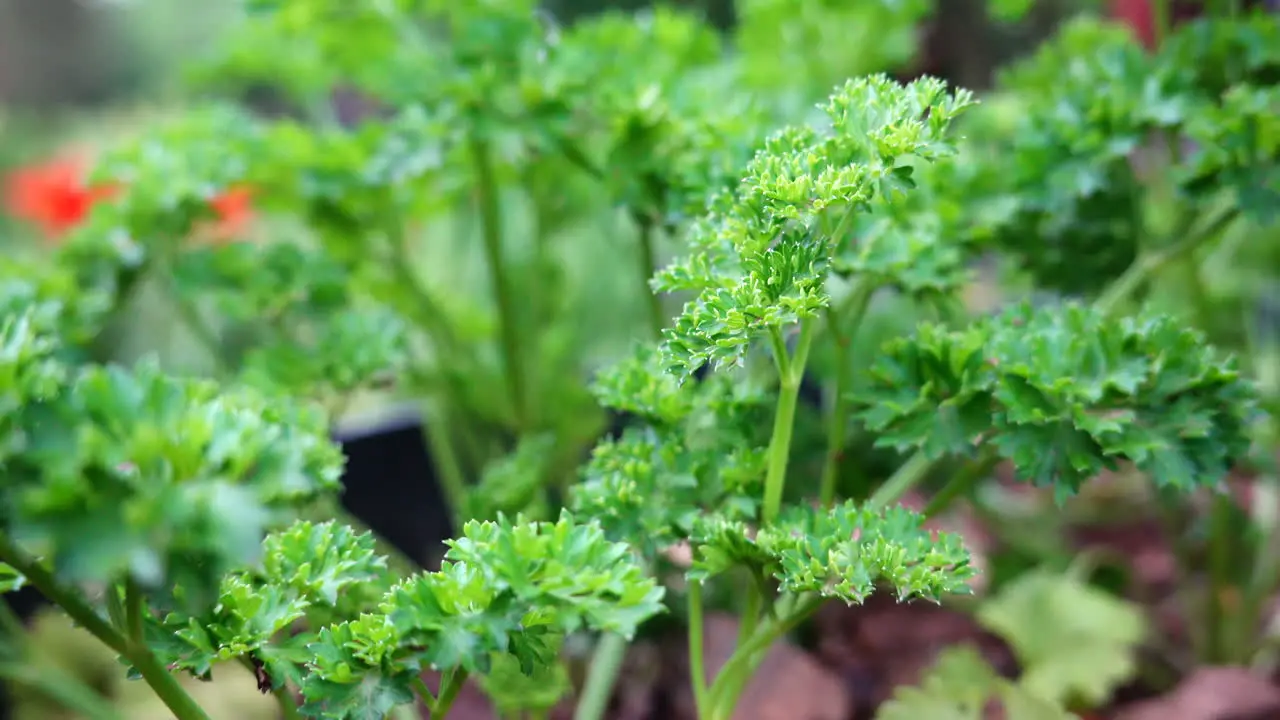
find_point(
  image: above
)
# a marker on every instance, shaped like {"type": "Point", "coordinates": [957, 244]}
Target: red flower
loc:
{"type": "Point", "coordinates": [1138, 16]}
{"type": "Point", "coordinates": [234, 210]}
{"type": "Point", "coordinates": [54, 195]}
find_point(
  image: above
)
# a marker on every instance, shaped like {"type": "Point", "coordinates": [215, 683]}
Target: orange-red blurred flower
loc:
{"type": "Point", "coordinates": [1137, 14]}
{"type": "Point", "coordinates": [234, 210]}
{"type": "Point", "coordinates": [54, 195]}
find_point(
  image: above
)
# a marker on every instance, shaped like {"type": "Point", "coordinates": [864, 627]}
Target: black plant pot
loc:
{"type": "Point", "coordinates": [391, 485]}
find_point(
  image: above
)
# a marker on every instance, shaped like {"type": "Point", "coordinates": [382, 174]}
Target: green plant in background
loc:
{"type": "Point", "coordinates": [158, 491]}
{"type": "Point", "coordinates": [1124, 180]}
{"type": "Point", "coordinates": [436, 249]}
{"type": "Point", "coordinates": [1060, 391]}
{"type": "Point", "coordinates": [1075, 644]}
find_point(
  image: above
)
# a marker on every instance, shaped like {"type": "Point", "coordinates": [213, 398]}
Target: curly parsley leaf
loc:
{"type": "Point", "coordinates": [842, 552]}
{"type": "Point", "coordinates": [1064, 392]}
{"type": "Point", "coordinates": [760, 259]}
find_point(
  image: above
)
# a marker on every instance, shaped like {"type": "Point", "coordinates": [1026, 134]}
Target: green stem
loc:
{"type": "Point", "coordinates": [649, 268]}
{"type": "Point", "coordinates": [697, 660]}
{"type": "Point", "coordinates": [286, 702]}
{"type": "Point", "coordinates": [195, 324]}
{"type": "Point", "coordinates": [491, 232]}
{"type": "Point", "coordinates": [66, 598]}
{"type": "Point", "coordinates": [49, 682]}
{"type": "Point", "coordinates": [424, 693]}
{"type": "Point", "coordinates": [1152, 262]}
{"type": "Point", "coordinates": [843, 327]}
{"type": "Point", "coordinates": [452, 481]}
{"type": "Point", "coordinates": [133, 611]}
{"type": "Point", "coordinates": [962, 482]}
{"type": "Point", "coordinates": [1161, 20]}
{"type": "Point", "coordinates": [162, 682]}
{"type": "Point", "coordinates": [731, 679]}
{"type": "Point", "coordinates": [791, 369]}
{"type": "Point", "coordinates": [606, 661]}
{"type": "Point", "coordinates": [1218, 615]}
{"type": "Point", "coordinates": [70, 693]}
{"type": "Point", "coordinates": [449, 688]}
{"type": "Point", "coordinates": [425, 310]}
{"type": "Point", "coordinates": [910, 473]}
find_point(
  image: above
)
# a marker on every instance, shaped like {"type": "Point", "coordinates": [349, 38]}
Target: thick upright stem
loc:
{"type": "Point", "coordinates": [843, 325]}
{"type": "Point", "coordinates": [791, 370]}
{"type": "Point", "coordinates": [504, 299]}
{"type": "Point", "coordinates": [606, 661]}
{"type": "Point", "coordinates": [649, 268]}
{"type": "Point", "coordinates": [450, 686]}
{"type": "Point", "coordinates": [1218, 643]}
{"type": "Point", "coordinates": [697, 662]}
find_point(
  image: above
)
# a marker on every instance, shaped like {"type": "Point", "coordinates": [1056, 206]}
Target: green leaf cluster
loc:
{"type": "Point", "coordinates": [761, 257]}
{"type": "Point", "coordinates": [307, 573]}
{"type": "Point", "coordinates": [504, 589]}
{"type": "Point", "coordinates": [1101, 119]}
{"type": "Point", "coordinates": [1064, 392]}
{"type": "Point", "coordinates": [116, 473]}
{"type": "Point", "coordinates": [692, 449]}
{"type": "Point", "coordinates": [842, 552]}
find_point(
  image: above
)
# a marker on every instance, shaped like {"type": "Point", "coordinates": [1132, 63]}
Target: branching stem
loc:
{"type": "Point", "coordinates": [843, 325]}
{"type": "Point", "coordinates": [504, 298]}
{"type": "Point", "coordinates": [449, 688]}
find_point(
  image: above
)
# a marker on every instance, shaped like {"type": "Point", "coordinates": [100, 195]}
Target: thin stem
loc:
{"type": "Point", "coordinates": [68, 692]}
{"type": "Point", "coordinates": [697, 660]}
{"type": "Point", "coordinates": [910, 473]}
{"type": "Point", "coordinates": [1217, 613]}
{"type": "Point", "coordinates": [843, 327]}
{"type": "Point", "coordinates": [962, 483]}
{"type": "Point", "coordinates": [491, 232]}
{"type": "Point", "coordinates": [1152, 262]}
{"type": "Point", "coordinates": [449, 688]}
{"type": "Point", "coordinates": [750, 617]}
{"type": "Point", "coordinates": [452, 481]}
{"type": "Point", "coordinates": [649, 268]}
{"type": "Point", "coordinates": [731, 679]}
{"type": "Point", "coordinates": [49, 682]}
{"type": "Point", "coordinates": [133, 611]}
{"type": "Point", "coordinates": [195, 324]}
{"type": "Point", "coordinates": [66, 598]}
{"type": "Point", "coordinates": [287, 703]}
{"type": "Point", "coordinates": [606, 661]}
{"type": "Point", "coordinates": [162, 682]}
{"type": "Point", "coordinates": [792, 371]}
{"type": "Point", "coordinates": [165, 686]}
{"type": "Point", "coordinates": [424, 693]}
{"type": "Point", "coordinates": [1161, 20]}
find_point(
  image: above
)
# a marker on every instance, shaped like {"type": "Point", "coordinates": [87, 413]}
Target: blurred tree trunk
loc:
{"type": "Point", "coordinates": [52, 52]}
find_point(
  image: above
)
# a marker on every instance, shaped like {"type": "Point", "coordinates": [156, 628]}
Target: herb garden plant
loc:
{"type": "Point", "coordinates": [183, 520]}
